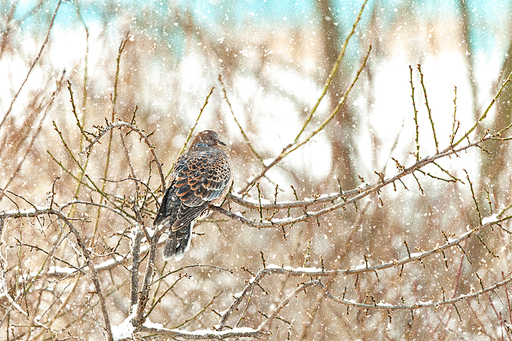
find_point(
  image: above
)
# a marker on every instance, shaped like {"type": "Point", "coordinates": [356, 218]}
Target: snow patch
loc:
{"type": "Point", "coordinates": [60, 270]}
{"type": "Point", "coordinates": [149, 324]}
{"type": "Point", "coordinates": [289, 268]}
{"type": "Point", "coordinates": [490, 219]}
{"type": "Point", "coordinates": [126, 328]}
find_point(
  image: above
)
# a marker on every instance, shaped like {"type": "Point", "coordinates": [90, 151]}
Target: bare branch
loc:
{"type": "Point", "coordinates": [118, 124]}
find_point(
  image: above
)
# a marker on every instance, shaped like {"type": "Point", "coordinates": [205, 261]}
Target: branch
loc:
{"type": "Point", "coordinates": [295, 145]}
{"type": "Point", "coordinates": [138, 131]}
{"type": "Point", "coordinates": [348, 197]}
{"type": "Point", "coordinates": [332, 73]}
{"type": "Point", "coordinates": [419, 304]}
{"type": "Point", "coordinates": [202, 334]}
{"type": "Point", "coordinates": [95, 279]}
{"type": "Point", "coordinates": [313, 272]}
{"type": "Point", "coordinates": [45, 42]}
{"type": "Point", "coordinates": [484, 115]}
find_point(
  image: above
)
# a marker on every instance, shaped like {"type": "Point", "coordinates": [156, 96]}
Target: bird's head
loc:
{"type": "Point", "coordinates": [209, 138]}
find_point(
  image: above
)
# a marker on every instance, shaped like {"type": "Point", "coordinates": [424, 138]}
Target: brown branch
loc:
{"type": "Point", "coordinates": [95, 279]}
{"type": "Point", "coordinates": [118, 124]}
{"type": "Point", "coordinates": [45, 42]}
{"type": "Point", "coordinates": [419, 305]}
{"type": "Point", "coordinates": [202, 334]}
{"type": "Point", "coordinates": [313, 272]}
{"type": "Point", "coordinates": [294, 146]}
{"type": "Point", "coordinates": [139, 318]}
{"type": "Point", "coordinates": [349, 197]}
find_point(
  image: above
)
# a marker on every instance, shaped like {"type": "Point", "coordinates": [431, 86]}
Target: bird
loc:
{"type": "Point", "coordinates": [199, 176]}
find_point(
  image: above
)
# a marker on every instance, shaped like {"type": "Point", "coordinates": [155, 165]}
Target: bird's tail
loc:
{"type": "Point", "coordinates": [178, 242]}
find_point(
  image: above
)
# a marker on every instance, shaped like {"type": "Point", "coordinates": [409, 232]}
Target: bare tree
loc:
{"type": "Point", "coordinates": [419, 249]}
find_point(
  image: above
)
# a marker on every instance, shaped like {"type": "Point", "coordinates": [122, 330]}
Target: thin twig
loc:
{"type": "Point", "coordinates": [246, 138]}
{"type": "Point", "coordinates": [484, 115]}
{"type": "Point", "coordinates": [45, 42]}
{"type": "Point", "coordinates": [191, 131]}
{"type": "Point", "coordinates": [417, 139]}
{"type": "Point", "coordinates": [429, 111]}
{"type": "Point", "coordinates": [292, 147]}
{"type": "Point", "coordinates": [141, 133]}
{"type": "Point", "coordinates": [332, 73]}
{"type": "Point", "coordinates": [34, 136]}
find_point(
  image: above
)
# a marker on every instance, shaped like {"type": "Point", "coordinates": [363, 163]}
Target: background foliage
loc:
{"type": "Point", "coordinates": [369, 148]}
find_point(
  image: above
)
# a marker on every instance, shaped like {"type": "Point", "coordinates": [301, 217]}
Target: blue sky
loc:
{"type": "Point", "coordinates": [490, 20]}
{"type": "Point", "coordinates": [486, 16]}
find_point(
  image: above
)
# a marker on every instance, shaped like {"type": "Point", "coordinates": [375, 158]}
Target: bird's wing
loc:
{"type": "Point", "coordinates": [168, 208]}
{"type": "Point", "coordinates": [202, 177]}
{"type": "Point", "coordinates": [198, 178]}
{"type": "Point", "coordinates": [170, 203]}
{"type": "Point", "coordinates": [187, 214]}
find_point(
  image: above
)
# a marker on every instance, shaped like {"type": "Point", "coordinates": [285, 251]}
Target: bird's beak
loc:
{"type": "Point", "coordinates": [220, 142]}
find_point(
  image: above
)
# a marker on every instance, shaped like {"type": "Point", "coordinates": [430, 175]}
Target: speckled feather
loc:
{"type": "Point", "coordinates": [200, 176]}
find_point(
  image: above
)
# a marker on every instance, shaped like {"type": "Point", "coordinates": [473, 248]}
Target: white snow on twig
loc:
{"type": "Point", "coordinates": [149, 324]}
{"type": "Point", "coordinates": [203, 333]}
{"type": "Point", "coordinates": [123, 330]}
{"type": "Point", "coordinates": [490, 219]}
{"type": "Point", "coordinates": [289, 268]}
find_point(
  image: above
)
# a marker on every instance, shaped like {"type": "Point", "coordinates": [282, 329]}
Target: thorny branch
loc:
{"type": "Point", "coordinates": [339, 200]}
{"type": "Point", "coordinates": [347, 198]}
{"type": "Point", "coordinates": [85, 253]}
{"type": "Point", "coordinates": [140, 298]}
{"type": "Point", "coordinates": [418, 305]}
{"type": "Point", "coordinates": [118, 124]}
{"type": "Point", "coordinates": [314, 272]}
{"type": "Point", "coordinates": [294, 146]}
